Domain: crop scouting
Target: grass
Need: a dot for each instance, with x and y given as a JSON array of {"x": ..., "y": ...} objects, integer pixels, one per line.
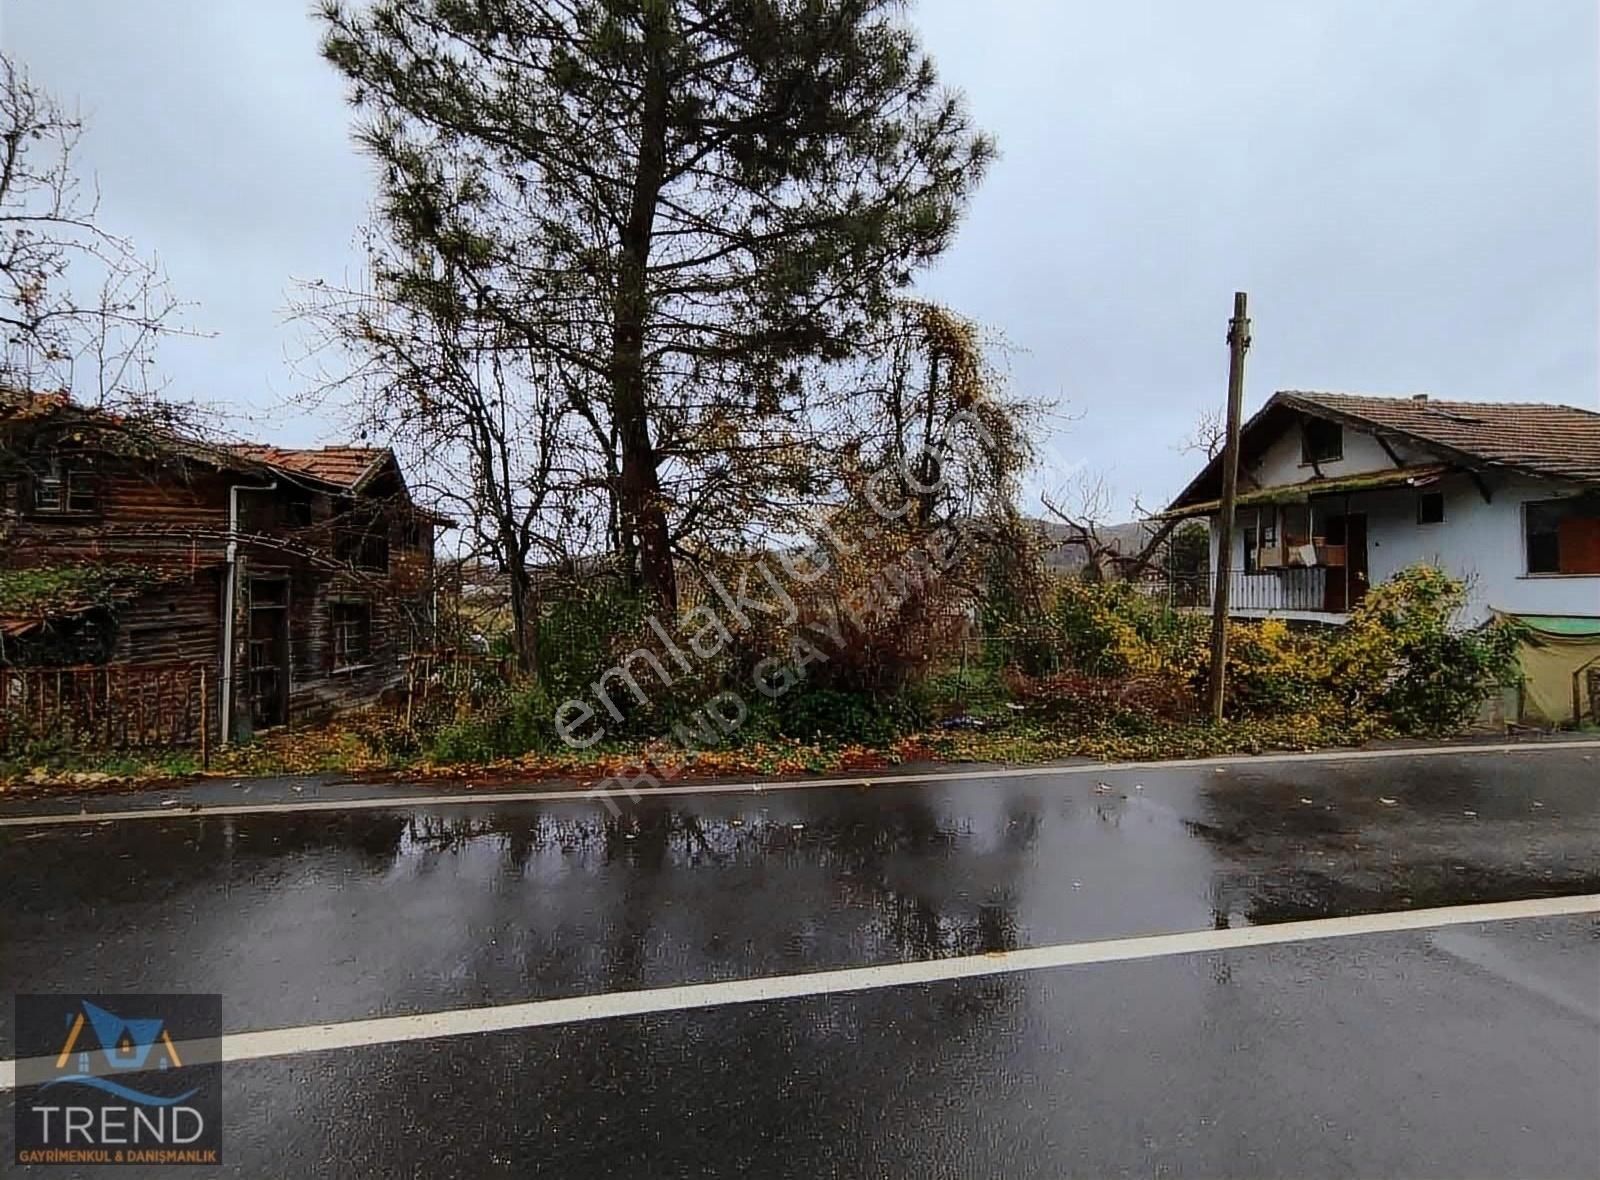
[{"x": 1009, "y": 737}]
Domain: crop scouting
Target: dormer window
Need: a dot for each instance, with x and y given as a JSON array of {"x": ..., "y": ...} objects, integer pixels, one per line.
[{"x": 1321, "y": 441}]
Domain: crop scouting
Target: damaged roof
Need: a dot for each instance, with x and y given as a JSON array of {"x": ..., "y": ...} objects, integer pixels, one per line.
[
  {"x": 1415, "y": 476},
  {"x": 1543, "y": 440},
  {"x": 1559, "y": 442},
  {"x": 343, "y": 468},
  {"x": 347, "y": 468}
]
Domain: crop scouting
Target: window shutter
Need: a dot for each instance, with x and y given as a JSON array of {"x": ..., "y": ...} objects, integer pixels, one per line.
[{"x": 1578, "y": 541}]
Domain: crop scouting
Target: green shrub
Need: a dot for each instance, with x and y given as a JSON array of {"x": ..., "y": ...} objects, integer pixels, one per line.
[
  {"x": 809, "y": 713},
  {"x": 1402, "y": 663},
  {"x": 513, "y": 722},
  {"x": 1114, "y": 629},
  {"x": 1273, "y": 670},
  {"x": 1404, "y": 655},
  {"x": 583, "y": 633}
]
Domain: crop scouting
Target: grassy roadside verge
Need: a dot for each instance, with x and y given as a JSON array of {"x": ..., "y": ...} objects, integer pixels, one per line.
[{"x": 342, "y": 749}]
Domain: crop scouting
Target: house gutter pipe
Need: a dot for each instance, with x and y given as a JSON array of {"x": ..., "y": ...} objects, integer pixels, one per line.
[{"x": 225, "y": 705}]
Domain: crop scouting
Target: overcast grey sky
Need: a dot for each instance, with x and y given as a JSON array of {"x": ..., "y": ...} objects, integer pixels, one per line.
[{"x": 1406, "y": 188}]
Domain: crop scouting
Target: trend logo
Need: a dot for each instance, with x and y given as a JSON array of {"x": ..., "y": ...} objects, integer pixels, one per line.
[{"x": 124, "y": 1045}]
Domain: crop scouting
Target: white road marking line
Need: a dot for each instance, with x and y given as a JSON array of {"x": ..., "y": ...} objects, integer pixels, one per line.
[
  {"x": 388, "y": 1030},
  {"x": 462, "y": 798}
]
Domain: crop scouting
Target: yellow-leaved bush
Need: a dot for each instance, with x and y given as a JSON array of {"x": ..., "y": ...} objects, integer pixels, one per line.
[{"x": 1403, "y": 662}]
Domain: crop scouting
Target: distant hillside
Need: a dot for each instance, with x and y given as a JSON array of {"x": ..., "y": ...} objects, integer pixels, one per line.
[{"x": 1127, "y": 539}]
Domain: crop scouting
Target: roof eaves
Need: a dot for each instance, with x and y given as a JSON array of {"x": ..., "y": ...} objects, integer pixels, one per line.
[
  {"x": 1300, "y": 492},
  {"x": 1216, "y": 460}
]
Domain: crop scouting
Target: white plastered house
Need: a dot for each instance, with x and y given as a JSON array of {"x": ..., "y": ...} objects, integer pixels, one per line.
[{"x": 1337, "y": 492}]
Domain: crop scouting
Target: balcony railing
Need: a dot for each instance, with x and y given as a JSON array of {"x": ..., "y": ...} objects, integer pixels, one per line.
[{"x": 1302, "y": 590}]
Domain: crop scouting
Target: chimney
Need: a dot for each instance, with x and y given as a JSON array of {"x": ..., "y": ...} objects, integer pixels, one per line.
[{"x": 1419, "y": 397}]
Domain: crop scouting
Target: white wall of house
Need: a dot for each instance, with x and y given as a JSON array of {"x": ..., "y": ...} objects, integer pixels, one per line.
[
  {"x": 1481, "y": 542},
  {"x": 1280, "y": 462}
]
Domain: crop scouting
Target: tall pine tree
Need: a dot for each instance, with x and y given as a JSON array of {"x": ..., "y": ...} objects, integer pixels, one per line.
[{"x": 680, "y": 202}]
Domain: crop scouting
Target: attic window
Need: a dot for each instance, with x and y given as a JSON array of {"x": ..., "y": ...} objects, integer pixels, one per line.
[
  {"x": 1321, "y": 441},
  {"x": 361, "y": 539},
  {"x": 1430, "y": 508}
]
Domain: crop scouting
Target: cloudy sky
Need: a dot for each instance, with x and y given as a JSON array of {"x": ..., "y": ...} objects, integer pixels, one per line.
[{"x": 1406, "y": 188}]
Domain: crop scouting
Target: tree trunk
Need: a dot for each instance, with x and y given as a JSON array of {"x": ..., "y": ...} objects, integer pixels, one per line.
[
  {"x": 523, "y": 628},
  {"x": 643, "y": 512}
]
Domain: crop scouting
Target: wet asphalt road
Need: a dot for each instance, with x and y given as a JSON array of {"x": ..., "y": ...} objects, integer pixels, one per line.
[{"x": 1469, "y": 1050}]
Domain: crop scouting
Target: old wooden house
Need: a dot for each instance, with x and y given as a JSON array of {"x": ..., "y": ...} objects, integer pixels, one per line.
[{"x": 261, "y": 585}]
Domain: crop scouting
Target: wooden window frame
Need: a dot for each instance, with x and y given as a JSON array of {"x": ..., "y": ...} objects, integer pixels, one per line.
[
  {"x": 1581, "y": 507},
  {"x": 338, "y": 649},
  {"x": 72, "y": 476},
  {"x": 361, "y": 539}
]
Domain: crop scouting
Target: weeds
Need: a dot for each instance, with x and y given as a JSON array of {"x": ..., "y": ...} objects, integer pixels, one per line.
[{"x": 1109, "y": 674}]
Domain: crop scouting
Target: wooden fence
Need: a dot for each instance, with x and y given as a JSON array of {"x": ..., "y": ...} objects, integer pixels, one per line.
[{"x": 146, "y": 706}]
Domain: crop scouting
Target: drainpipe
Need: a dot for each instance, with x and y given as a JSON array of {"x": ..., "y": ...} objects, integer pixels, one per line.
[{"x": 225, "y": 737}]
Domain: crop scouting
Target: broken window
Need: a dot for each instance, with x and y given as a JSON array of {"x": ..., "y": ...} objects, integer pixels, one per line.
[
  {"x": 64, "y": 486},
  {"x": 410, "y": 532},
  {"x": 1296, "y": 524},
  {"x": 1321, "y": 441},
  {"x": 1562, "y": 536},
  {"x": 361, "y": 539},
  {"x": 297, "y": 512}
]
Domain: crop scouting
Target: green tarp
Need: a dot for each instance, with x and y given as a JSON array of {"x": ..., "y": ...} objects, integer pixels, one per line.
[{"x": 1562, "y": 624}]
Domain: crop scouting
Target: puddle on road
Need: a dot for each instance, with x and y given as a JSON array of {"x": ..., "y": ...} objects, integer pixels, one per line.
[{"x": 544, "y": 899}]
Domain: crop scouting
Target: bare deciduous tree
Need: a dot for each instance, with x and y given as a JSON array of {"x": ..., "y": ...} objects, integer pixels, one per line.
[
  {"x": 487, "y": 431},
  {"x": 1083, "y": 507},
  {"x": 1207, "y": 437},
  {"x": 80, "y": 308}
]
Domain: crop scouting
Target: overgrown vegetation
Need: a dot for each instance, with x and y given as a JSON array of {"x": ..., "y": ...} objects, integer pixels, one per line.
[
  {"x": 1092, "y": 669},
  {"x": 45, "y": 590},
  {"x": 637, "y": 309},
  {"x": 68, "y": 612}
]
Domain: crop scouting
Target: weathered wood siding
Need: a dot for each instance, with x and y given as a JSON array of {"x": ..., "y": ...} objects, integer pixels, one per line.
[
  {"x": 182, "y": 620},
  {"x": 171, "y": 515}
]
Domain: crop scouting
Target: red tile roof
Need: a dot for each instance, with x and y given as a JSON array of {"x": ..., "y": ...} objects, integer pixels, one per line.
[
  {"x": 343, "y": 467},
  {"x": 1546, "y": 441},
  {"x": 1557, "y": 442},
  {"x": 347, "y": 468}
]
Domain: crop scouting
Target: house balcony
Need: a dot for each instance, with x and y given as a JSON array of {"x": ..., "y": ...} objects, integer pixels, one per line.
[{"x": 1286, "y": 593}]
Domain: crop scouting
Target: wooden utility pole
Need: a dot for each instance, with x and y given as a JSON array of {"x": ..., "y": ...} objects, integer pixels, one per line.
[{"x": 1238, "y": 345}]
